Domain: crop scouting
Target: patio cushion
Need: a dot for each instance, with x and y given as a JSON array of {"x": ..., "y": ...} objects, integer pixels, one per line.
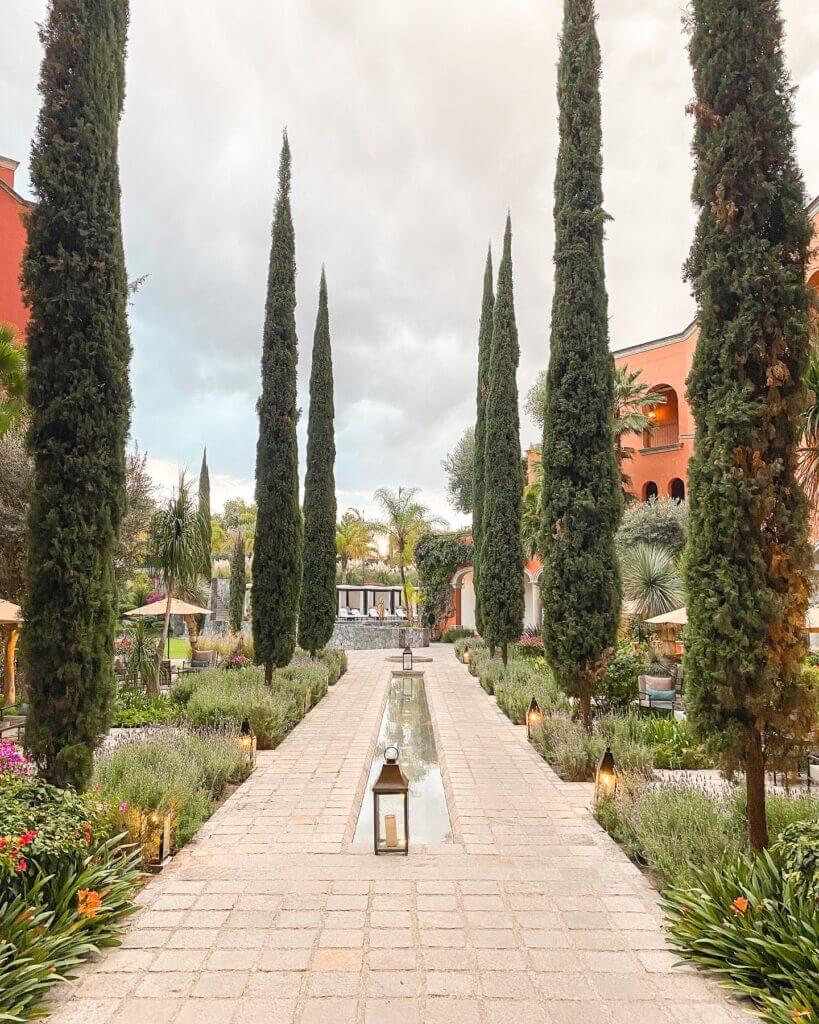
[
  {"x": 666, "y": 695},
  {"x": 659, "y": 683}
]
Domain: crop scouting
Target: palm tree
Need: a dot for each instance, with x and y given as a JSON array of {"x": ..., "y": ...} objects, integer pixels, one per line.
[
  {"x": 176, "y": 549},
  {"x": 530, "y": 519},
  {"x": 407, "y": 520},
  {"x": 633, "y": 401},
  {"x": 651, "y": 580},
  {"x": 809, "y": 450},
  {"x": 12, "y": 380},
  {"x": 354, "y": 539}
]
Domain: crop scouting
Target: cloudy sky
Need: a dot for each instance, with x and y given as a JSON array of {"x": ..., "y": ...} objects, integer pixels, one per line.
[{"x": 413, "y": 127}]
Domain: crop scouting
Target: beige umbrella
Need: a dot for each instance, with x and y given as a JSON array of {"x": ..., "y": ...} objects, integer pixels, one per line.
[
  {"x": 812, "y": 619},
  {"x": 157, "y": 609},
  {"x": 679, "y": 617},
  {"x": 11, "y": 619}
]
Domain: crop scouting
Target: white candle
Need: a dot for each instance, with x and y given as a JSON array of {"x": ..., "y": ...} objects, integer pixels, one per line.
[{"x": 392, "y": 830}]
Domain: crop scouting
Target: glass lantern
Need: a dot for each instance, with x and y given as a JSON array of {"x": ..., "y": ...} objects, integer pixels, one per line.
[
  {"x": 605, "y": 780},
  {"x": 247, "y": 743},
  {"x": 406, "y": 659},
  {"x": 157, "y": 839},
  {"x": 534, "y": 716},
  {"x": 391, "y": 807}
]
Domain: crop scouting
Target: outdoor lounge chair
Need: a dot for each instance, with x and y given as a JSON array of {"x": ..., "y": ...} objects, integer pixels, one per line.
[
  {"x": 355, "y": 614},
  {"x": 204, "y": 659},
  {"x": 657, "y": 693},
  {"x": 400, "y": 613},
  {"x": 344, "y": 613},
  {"x": 373, "y": 613}
]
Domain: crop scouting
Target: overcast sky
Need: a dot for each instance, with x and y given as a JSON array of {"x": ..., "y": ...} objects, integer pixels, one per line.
[{"x": 413, "y": 127}]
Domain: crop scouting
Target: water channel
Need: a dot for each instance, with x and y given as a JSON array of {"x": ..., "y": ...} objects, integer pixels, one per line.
[{"x": 407, "y": 725}]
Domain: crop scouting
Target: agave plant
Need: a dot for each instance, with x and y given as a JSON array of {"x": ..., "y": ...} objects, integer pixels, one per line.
[{"x": 651, "y": 580}]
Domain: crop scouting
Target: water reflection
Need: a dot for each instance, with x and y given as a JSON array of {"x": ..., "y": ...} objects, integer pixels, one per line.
[{"x": 407, "y": 725}]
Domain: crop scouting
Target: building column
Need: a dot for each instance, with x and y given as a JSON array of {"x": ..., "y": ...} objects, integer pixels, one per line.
[
  {"x": 457, "y": 603},
  {"x": 9, "y": 688}
]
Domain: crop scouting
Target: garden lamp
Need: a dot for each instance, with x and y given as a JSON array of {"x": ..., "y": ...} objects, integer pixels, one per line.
[
  {"x": 391, "y": 807},
  {"x": 534, "y": 717},
  {"x": 406, "y": 659},
  {"x": 605, "y": 780},
  {"x": 247, "y": 743}
]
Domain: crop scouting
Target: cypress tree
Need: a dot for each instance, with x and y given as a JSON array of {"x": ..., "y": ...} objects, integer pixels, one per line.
[
  {"x": 318, "y": 595},
  {"x": 238, "y": 585},
  {"x": 479, "y": 482},
  {"x": 277, "y": 552},
  {"x": 747, "y": 559},
  {"x": 79, "y": 353},
  {"x": 581, "y": 497},
  {"x": 204, "y": 512},
  {"x": 501, "y": 558}
]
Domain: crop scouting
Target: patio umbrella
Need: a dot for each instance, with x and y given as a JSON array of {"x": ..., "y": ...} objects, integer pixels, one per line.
[
  {"x": 11, "y": 619},
  {"x": 812, "y": 619},
  {"x": 679, "y": 617},
  {"x": 157, "y": 610}
]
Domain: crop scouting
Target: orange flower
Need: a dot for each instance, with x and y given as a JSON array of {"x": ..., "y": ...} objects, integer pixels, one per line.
[
  {"x": 88, "y": 902},
  {"x": 740, "y": 906}
]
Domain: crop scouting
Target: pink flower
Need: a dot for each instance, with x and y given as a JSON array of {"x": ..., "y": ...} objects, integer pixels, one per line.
[{"x": 123, "y": 807}]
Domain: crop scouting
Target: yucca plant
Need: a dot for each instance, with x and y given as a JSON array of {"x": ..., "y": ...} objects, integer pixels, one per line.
[{"x": 651, "y": 580}]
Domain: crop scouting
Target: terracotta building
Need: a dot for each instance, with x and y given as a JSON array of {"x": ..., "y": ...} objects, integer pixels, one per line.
[
  {"x": 13, "y": 210},
  {"x": 659, "y": 466}
]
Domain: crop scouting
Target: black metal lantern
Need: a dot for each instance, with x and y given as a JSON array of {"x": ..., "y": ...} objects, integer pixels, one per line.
[
  {"x": 534, "y": 716},
  {"x": 391, "y": 807},
  {"x": 605, "y": 780},
  {"x": 247, "y": 743},
  {"x": 157, "y": 839},
  {"x": 406, "y": 659}
]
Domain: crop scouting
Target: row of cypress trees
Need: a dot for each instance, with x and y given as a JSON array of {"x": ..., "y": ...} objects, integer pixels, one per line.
[{"x": 293, "y": 559}]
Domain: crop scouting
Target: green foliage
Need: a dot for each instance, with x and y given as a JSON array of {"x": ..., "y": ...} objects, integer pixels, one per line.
[
  {"x": 619, "y": 686},
  {"x": 747, "y": 556},
  {"x": 437, "y": 556},
  {"x": 317, "y": 615},
  {"x": 500, "y": 578},
  {"x": 456, "y": 633},
  {"x": 175, "y": 773},
  {"x": 659, "y": 522},
  {"x": 204, "y": 516},
  {"x": 459, "y": 466},
  {"x": 277, "y": 554},
  {"x": 651, "y": 580},
  {"x": 743, "y": 919},
  {"x": 78, "y": 356},
  {"x": 581, "y": 497},
  {"x": 575, "y": 754},
  {"x": 238, "y": 585},
  {"x": 12, "y": 380},
  {"x": 139, "y": 652},
  {"x": 479, "y": 463},
  {"x": 797, "y": 849},
  {"x": 133, "y": 707}
]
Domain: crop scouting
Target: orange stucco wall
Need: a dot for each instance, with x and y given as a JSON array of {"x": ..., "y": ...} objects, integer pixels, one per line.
[{"x": 12, "y": 245}]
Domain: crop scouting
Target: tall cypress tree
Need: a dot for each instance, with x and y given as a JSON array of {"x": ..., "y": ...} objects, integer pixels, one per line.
[
  {"x": 501, "y": 563},
  {"x": 204, "y": 512},
  {"x": 747, "y": 558},
  {"x": 277, "y": 553},
  {"x": 79, "y": 353},
  {"x": 318, "y": 595},
  {"x": 479, "y": 478},
  {"x": 581, "y": 497},
  {"x": 238, "y": 585}
]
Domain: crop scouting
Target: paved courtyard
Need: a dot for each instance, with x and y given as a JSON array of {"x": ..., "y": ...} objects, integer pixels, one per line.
[{"x": 271, "y": 916}]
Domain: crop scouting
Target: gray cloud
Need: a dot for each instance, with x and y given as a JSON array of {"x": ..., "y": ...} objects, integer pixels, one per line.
[{"x": 413, "y": 128}]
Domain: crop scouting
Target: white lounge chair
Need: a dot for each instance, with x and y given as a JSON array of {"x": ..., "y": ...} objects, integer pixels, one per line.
[
  {"x": 400, "y": 613},
  {"x": 344, "y": 613},
  {"x": 355, "y": 614},
  {"x": 373, "y": 613}
]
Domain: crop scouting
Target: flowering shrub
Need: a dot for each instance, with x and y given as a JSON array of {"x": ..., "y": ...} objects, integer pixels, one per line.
[
  {"x": 13, "y": 760},
  {"x": 236, "y": 661},
  {"x": 529, "y": 645}
]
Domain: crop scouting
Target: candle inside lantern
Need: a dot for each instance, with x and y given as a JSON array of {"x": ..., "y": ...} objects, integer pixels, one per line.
[{"x": 392, "y": 830}]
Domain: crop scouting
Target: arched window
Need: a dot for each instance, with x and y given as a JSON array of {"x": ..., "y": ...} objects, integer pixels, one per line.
[
  {"x": 650, "y": 490},
  {"x": 665, "y": 420},
  {"x": 676, "y": 489}
]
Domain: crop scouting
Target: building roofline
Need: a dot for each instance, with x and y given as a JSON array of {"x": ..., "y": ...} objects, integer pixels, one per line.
[
  {"x": 647, "y": 346},
  {"x": 16, "y": 195},
  {"x": 813, "y": 207}
]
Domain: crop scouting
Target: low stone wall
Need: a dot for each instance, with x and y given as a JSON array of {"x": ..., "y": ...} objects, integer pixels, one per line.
[{"x": 367, "y": 636}]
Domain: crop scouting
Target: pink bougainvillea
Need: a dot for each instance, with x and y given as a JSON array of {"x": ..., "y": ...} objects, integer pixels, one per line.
[{"x": 13, "y": 760}]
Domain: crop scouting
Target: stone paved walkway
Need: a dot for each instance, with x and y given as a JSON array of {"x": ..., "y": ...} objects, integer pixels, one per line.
[{"x": 270, "y": 916}]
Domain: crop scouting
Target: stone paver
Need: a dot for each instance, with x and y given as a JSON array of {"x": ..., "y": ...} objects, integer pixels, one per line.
[{"x": 271, "y": 915}]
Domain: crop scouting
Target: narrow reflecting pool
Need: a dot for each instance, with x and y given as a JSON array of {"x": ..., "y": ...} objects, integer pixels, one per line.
[{"x": 407, "y": 725}]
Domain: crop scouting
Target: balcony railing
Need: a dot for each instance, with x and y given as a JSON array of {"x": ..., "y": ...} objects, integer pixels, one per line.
[{"x": 662, "y": 435}]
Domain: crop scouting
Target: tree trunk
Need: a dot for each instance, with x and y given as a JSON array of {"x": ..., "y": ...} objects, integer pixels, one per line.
[
  {"x": 268, "y": 673},
  {"x": 193, "y": 633},
  {"x": 343, "y": 570},
  {"x": 755, "y": 790},
  {"x": 491, "y": 650},
  {"x": 152, "y": 685},
  {"x": 9, "y": 688},
  {"x": 505, "y": 653},
  {"x": 404, "y": 589},
  {"x": 585, "y": 708}
]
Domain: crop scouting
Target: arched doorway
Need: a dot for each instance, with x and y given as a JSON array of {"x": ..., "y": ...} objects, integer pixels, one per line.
[
  {"x": 464, "y": 597},
  {"x": 650, "y": 490},
  {"x": 676, "y": 489},
  {"x": 665, "y": 420}
]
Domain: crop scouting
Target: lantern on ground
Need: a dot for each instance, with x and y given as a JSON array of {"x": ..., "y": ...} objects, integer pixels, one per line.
[
  {"x": 391, "y": 807},
  {"x": 605, "y": 780},
  {"x": 406, "y": 659},
  {"x": 247, "y": 743},
  {"x": 534, "y": 717},
  {"x": 157, "y": 839},
  {"x": 406, "y": 687}
]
